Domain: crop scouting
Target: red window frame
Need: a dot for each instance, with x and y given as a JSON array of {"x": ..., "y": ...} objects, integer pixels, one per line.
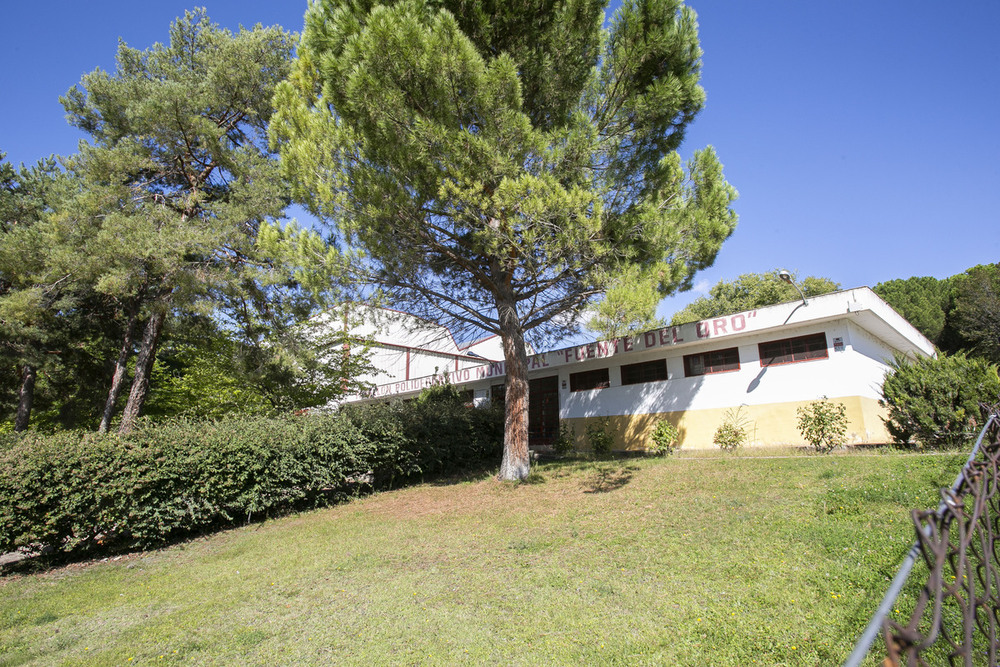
[
  {"x": 793, "y": 350},
  {"x": 726, "y": 360}
]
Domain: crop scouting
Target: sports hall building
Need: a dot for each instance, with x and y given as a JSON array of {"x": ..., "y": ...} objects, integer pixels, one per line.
[{"x": 766, "y": 363}]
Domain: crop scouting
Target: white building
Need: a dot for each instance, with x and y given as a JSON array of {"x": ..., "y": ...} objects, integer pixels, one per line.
[
  {"x": 767, "y": 363},
  {"x": 403, "y": 347}
]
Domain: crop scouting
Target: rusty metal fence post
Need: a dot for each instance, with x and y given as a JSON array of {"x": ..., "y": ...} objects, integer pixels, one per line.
[{"x": 957, "y": 615}]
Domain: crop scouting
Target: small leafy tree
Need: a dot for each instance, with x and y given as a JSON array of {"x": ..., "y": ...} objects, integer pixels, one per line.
[
  {"x": 600, "y": 438},
  {"x": 663, "y": 439},
  {"x": 823, "y": 424},
  {"x": 934, "y": 403},
  {"x": 732, "y": 432},
  {"x": 565, "y": 443}
]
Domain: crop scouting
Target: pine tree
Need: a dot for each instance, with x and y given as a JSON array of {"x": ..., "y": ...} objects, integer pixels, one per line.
[
  {"x": 497, "y": 163},
  {"x": 974, "y": 316},
  {"x": 922, "y": 300},
  {"x": 28, "y": 306},
  {"x": 178, "y": 175}
]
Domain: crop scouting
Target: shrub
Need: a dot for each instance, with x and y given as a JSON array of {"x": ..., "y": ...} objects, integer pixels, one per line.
[
  {"x": 823, "y": 424},
  {"x": 663, "y": 439},
  {"x": 86, "y": 493},
  {"x": 732, "y": 433},
  {"x": 565, "y": 442},
  {"x": 599, "y": 437},
  {"x": 935, "y": 403}
]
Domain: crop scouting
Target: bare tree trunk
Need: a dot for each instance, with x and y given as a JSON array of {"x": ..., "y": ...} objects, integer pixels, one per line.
[
  {"x": 143, "y": 368},
  {"x": 118, "y": 380},
  {"x": 516, "y": 463},
  {"x": 26, "y": 399}
]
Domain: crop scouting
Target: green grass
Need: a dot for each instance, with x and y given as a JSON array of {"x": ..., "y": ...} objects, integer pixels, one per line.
[{"x": 680, "y": 561}]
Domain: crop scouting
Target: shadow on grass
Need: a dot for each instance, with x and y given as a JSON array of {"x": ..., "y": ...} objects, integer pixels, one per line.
[{"x": 608, "y": 478}]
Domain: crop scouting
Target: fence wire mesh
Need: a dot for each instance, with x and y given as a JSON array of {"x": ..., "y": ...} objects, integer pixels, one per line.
[{"x": 956, "y": 617}]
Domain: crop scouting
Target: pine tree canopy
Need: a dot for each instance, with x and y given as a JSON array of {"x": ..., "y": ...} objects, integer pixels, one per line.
[
  {"x": 499, "y": 163},
  {"x": 476, "y": 150}
]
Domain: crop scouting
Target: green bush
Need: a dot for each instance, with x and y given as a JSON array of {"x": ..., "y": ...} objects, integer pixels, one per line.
[
  {"x": 663, "y": 439},
  {"x": 732, "y": 432},
  {"x": 599, "y": 437},
  {"x": 565, "y": 443},
  {"x": 935, "y": 403},
  {"x": 88, "y": 493},
  {"x": 823, "y": 424}
]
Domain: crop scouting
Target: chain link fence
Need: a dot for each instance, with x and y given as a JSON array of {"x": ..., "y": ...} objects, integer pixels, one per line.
[{"x": 956, "y": 617}]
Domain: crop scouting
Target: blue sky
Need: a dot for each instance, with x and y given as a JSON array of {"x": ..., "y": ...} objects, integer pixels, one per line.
[{"x": 862, "y": 136}]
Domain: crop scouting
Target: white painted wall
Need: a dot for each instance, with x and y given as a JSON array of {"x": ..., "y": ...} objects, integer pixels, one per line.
[
  {"x": 870, "y": 329},
  {"x": 488, "y": 348},
  {"x": 847, "y": 372}
]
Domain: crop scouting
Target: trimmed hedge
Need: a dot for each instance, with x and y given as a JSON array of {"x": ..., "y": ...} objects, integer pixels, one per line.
[{"x": 84, "y": 493}]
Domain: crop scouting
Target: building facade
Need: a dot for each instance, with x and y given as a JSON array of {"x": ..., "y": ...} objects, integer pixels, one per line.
[
  {"x": 764, "y": 363},
  {"x": 402, "y": 347}
]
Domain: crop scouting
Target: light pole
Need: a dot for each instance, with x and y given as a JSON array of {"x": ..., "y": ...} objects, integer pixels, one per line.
[{"x": 787, "y": 277}]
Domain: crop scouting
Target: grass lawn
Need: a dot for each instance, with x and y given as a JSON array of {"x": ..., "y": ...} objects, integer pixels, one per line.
[{"x": 688, "y": 560}]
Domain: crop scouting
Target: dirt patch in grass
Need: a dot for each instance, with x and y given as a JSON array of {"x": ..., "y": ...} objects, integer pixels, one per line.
[{"x": 552, "y": 488}]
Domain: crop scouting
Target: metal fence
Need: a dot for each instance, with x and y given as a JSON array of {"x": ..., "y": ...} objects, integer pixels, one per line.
[{"x": 956, "y": 618}]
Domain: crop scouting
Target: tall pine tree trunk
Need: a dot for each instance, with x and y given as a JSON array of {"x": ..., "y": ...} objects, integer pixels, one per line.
[
  {"x": 26, "y": 399},
  {"x": 118, "y": 380},
  {"x": 143, "y": 368},
  {"x": 516, "y": 463}
]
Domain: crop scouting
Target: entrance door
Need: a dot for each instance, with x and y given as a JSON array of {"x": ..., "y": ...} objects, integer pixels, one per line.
[{"x": 543, "y": 411}]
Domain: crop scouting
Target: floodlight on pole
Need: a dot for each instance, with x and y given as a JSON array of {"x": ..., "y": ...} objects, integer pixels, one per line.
[{"x": 787, "y": 277}]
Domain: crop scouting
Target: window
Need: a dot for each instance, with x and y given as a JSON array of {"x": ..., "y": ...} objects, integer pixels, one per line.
[
  {"x": 595, "y": 379},
  {"x": 716, "y": 361},
  {"x": 791, "y": 350},
  {"x": 649, "y": 371}
]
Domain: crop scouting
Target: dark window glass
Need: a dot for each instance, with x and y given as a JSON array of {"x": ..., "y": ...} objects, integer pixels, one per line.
[
  {"x": 595, "y": 379},
  {"x": 498, "y": 394},
  {"x": 790, "y": 350},
  {"x": 716, "y": 361},
  {"x": 648, "y": 371}
]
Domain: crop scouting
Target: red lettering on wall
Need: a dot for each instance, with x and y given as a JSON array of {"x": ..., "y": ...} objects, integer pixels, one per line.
[
  {"x": 719, "y": 326},
  {"x": 677, "y": 338},
  {"x": 649, "y": 338},
  {"x": 628, "y": 343},
  {"x": 604, "y": 347},
  {"x": 739, "y": 322},
  {"x": 664, "y": 336},
  {"x": 591, "y": 351},
  {"x": 702, "y": 329}
]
